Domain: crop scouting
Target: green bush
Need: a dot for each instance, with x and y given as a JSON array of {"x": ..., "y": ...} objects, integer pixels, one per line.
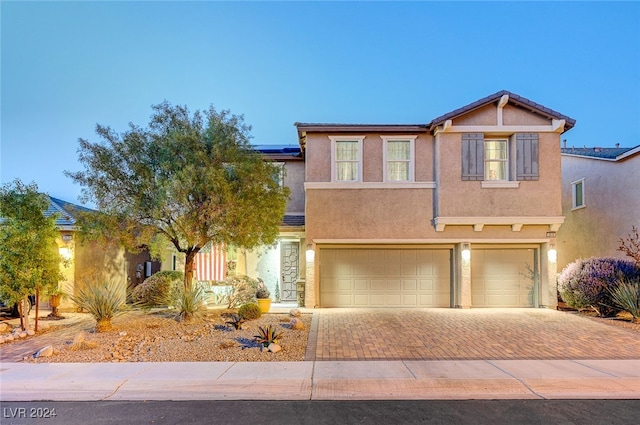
[
  {"x": 626, "y": 294},
  {"x": 103, "y": 300},
  {"x": 587, "y": 283},
  {"x": 250, "y": 311},
  {"x": 161, "y": 289},
  {"x": 191, "y": 304}
]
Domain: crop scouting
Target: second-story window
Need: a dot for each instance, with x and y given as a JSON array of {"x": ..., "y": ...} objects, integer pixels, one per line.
[
  {"x": 398, "y": 158},
  {"x": 496, "y": 160},
  {"x": 347, "y": 159}
]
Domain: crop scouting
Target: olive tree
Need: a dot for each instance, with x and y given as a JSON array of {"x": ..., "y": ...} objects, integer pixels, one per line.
[
  {"x": 189, "y": 179},
  {"x": 29, "y": 258}
]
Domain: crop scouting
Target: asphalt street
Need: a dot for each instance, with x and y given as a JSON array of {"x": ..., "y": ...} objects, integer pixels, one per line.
[{"x": 525, "y": 412}]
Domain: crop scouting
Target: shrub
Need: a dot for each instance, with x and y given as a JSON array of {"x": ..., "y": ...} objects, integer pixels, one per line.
[
  {"x": 267, "y": 335},
  {"x": 191, "y": 304},
  {"x": 586, "y": 283},
  {"x": 250, "y": 311},
  {"x": 243, "y": 290},
  {"x": 103, "y": 300},
  {"x": 161, "y": 289},
  {"x": 626, "y": 295},
  {"x": 236, "y": 320}
]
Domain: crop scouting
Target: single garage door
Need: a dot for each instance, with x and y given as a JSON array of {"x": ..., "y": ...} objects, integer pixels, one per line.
[
  {"x": 385, "y": 277},
  {"x": 503, "y": 278}
]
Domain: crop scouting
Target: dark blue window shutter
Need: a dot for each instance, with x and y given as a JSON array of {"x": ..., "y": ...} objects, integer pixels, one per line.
[
  {"x": 473, "y": 156},
  {"x": 527, "y": 156}
]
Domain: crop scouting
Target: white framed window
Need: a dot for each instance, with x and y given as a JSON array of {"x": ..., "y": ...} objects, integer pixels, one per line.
[
  {"x": 496, "y": 160},
  {"x": 577, "y": 194},
  {"x": 398, "y": 157},
  {"x": 278, "y": 176},
  {"x": 346, "y": 158}
]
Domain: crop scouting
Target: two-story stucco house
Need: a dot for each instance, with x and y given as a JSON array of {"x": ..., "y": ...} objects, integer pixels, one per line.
[
  {"x": 601, "y": 201},
  {"x": 459, "y": 212}
]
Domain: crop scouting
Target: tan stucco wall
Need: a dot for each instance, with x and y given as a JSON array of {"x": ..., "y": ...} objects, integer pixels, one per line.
[
  {"x": 612, "y": 199},
  {"x": 318, "y": 157},
  {"x": 294, "y": 180},
  {"x": 486, "y": 115},
  {"x": 512, "y": 115},
  {"x": 369, "y": 213},
  {"x": 458, "y": 198}
]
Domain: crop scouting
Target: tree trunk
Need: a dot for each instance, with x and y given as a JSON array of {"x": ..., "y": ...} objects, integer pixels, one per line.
[
  {"x": 37, "y": 305},
  {"x": 190, "y": 262},
  {"x": 24, "y": 312}
]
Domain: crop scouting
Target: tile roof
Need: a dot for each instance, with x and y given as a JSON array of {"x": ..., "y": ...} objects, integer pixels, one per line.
[
  {"x": 613, "y": 154},
  {"x": 65, "y": 211},
  {"x": 513, "y": 99}
]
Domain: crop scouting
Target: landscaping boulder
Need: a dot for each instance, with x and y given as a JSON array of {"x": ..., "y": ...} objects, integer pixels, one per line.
[
  {"x": 274, "y": 348},
  {"x": 294, "y": 312},
  {"x": 296, "y": 324}
]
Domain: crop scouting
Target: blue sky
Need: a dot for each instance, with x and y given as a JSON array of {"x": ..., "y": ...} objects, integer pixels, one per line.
[{"x": 66, "y": 66}]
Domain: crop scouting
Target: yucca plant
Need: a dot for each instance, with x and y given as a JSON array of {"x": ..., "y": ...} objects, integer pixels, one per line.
[
  {"x": 236, "y": 320},
  {"x": 267, "y": 335},
  {"x": 191, "y": 304},
  {"x": 626, "y": 294},
  {"x": 103, "y": 300}
]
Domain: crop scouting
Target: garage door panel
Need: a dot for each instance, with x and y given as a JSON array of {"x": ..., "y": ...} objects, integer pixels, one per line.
[
  {"x": 499, "y": 278},
  {"x": 385, "y": 278},
  {"x": 361, "y": 285},
  {"x": 409, "y": 285}
]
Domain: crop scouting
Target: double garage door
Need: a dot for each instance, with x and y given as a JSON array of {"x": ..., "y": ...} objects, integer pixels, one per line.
[
  {"x": 369, "y": 277},
  {"x": 385, "y": 278}
]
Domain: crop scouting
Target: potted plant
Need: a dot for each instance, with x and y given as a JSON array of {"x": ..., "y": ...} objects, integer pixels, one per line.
[
  {"x": 55, "y": 296},
  {"x": 262, "y": 296}
]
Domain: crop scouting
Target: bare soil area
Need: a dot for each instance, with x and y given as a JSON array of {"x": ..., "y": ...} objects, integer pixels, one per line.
[{"x": 159, "y": 337}]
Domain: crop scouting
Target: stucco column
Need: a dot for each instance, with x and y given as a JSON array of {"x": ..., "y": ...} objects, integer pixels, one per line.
[
  {"x": 310, "y": 277},
  {"x": 548, "y": 275},
  {"x": 463, "y": 252}
]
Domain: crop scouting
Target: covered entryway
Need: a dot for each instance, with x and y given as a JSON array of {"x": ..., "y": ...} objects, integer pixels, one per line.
[
  {"x": 504, "y": 278},
  {"x": 372, "y": 277}
]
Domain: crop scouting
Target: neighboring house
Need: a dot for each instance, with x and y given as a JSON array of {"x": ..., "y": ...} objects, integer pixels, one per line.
[
  {"x": 90, "y": 260},
  {"x": 459, "y": 212},
  {"x": 601, "y": 201}
]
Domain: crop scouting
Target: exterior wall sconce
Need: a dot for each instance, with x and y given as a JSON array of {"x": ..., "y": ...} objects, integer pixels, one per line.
[
  {"x": 65, "y": 252},
  {"x": 552, "y": 253},
  {"x": 466, "y": 251},
  {"x": 310, "y": 253},
  {"x": 67, "y": 238}
]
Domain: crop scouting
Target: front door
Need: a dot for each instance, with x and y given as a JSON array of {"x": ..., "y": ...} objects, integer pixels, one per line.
[{"x": 289, "y": 265}]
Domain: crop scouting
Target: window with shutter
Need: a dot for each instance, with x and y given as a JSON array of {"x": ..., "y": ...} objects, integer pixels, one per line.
[
  {"x": 527, "y": 156},
  {"x": 473, "y": 156},
  {"x": 490, "y": 160}
]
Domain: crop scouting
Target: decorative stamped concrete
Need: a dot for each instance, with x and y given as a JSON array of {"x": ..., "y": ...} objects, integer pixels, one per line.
[{"x": 461, "y": 334}]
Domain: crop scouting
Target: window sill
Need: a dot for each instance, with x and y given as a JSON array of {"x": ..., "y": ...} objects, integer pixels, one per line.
[
  {"x": 370, "y": 185},
  {"x": 578, "y": 207},
  {"x": 500, "y": 184}
]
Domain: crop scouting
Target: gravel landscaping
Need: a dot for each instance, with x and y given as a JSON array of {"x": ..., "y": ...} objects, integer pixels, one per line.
[{"x": 159, "y": 337}]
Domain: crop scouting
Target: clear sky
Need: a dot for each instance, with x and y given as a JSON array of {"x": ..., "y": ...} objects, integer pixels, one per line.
[{"x": 66, "y": 66}]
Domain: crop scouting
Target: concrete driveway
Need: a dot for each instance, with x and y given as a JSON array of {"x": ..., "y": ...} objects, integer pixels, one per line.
[{"x": 457, "y": 334}]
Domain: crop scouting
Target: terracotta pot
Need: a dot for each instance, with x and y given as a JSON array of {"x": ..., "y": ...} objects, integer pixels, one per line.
[
  {"x": 264, "y": 304},
  {"x": 54, "y": 301}
]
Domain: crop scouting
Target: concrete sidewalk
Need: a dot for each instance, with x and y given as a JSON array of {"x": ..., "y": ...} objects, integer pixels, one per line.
[{"x": 322, "y": 380}]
